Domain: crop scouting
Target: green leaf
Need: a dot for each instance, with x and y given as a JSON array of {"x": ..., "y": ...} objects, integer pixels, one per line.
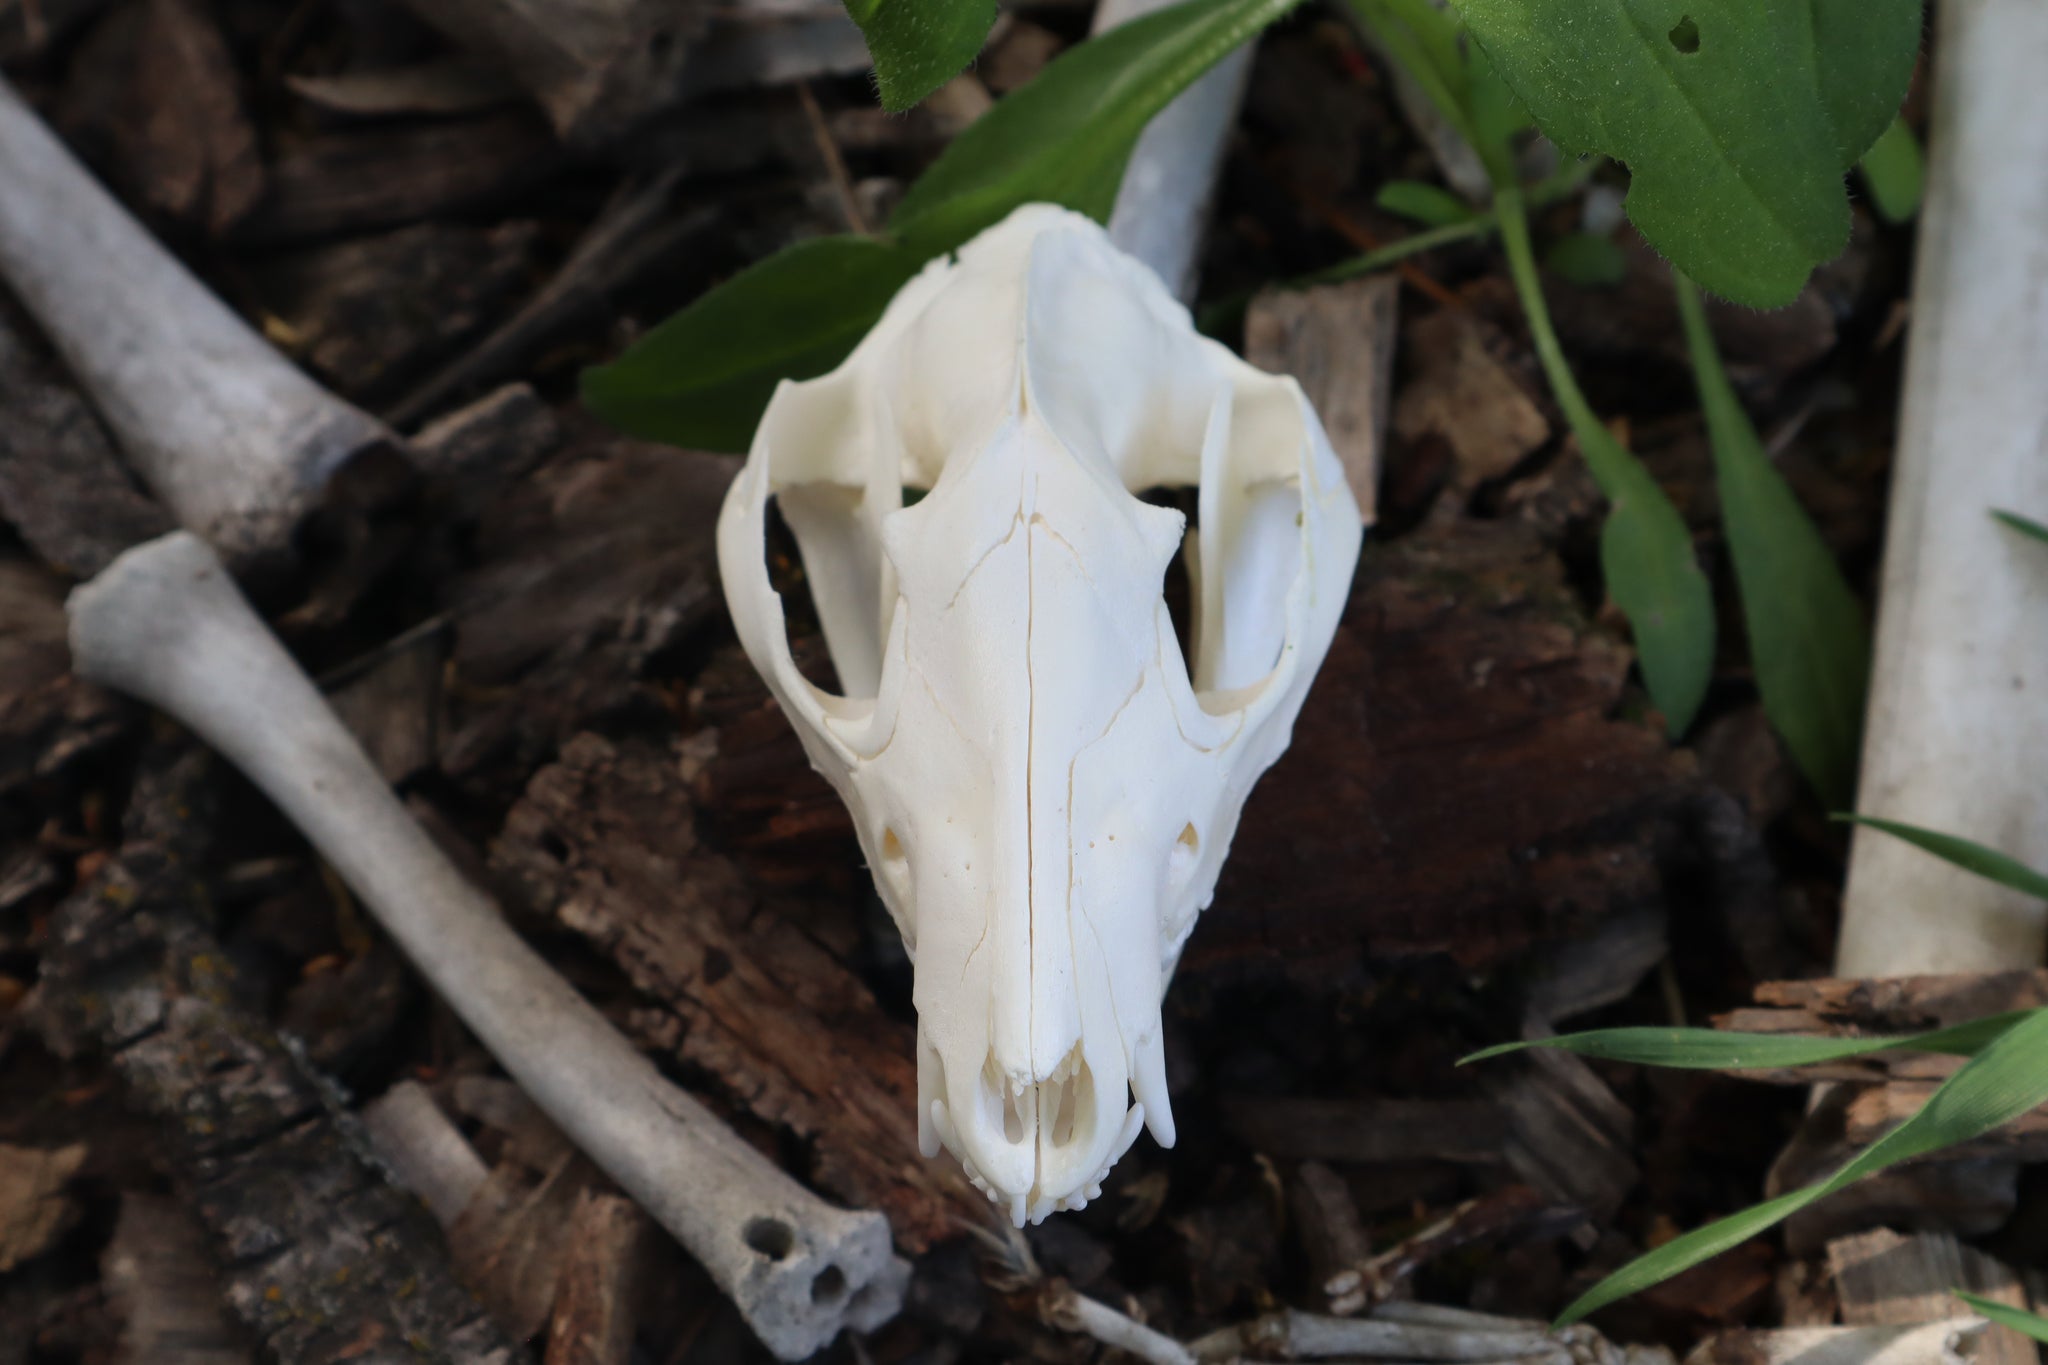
[
  {"x": 1647, "y": 562},
  {"x": 1064, "y": 138},
  {"x": 1706, "y": 1049},
  {"x": 1429, "y": 205},
  {"x": 1894, "y": 169},
  {"x": 1737, "y": 118},
  {"x": 1585, "y": 259},
  {"x": 1646, "y": 553},
  {"x": 1988, "y": 863},
  {"x": 2024, "y": 525},
  {"x": 702, "y": 377},
  {"x": 2003, "y": 1081},
  {"x": 1808, "y": 635},
  {"x": 2005, "y": 1315},
  {"x": 918, "y": 45}
]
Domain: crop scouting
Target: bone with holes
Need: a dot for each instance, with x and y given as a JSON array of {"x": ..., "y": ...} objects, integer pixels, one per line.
[
  {"x": 164, "y": 623},
  {"x": 237, "y": 443},
  {"x": 1044, "y": 786}
]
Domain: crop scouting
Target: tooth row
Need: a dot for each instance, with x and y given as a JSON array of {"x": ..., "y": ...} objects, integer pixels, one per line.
[{"x": 1022, "y": 1207}]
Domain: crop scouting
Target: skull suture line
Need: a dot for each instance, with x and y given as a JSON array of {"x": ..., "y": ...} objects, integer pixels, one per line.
[{"x": 1044, "y": 790}]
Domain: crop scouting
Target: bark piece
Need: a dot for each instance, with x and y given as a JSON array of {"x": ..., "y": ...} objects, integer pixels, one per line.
[
  {"x": 596, "y": 1296},
  {"x": 47, "y": 716},
  {"x": 1568, "y": 1134},
  {"x": 1338, "y": 340},
  {"x": 33, "y": 1208},
  {"x": 601, "y": 558},
  {"x": 325, "y": 1259},
  {"x": 1369, "y": 1130},
  {"x": 391, "y": 700},
  {"x": 507, "y": 1242},
  {"x": 1931, "y": 1343},
  {"x": 1462, "y": 391},
  {"x": 162, "y": 1284},
  {"x": 370, "y": 314},
  {"x": 340, "y": 184},
  {"x": 61, "y": 484},
  {"x": 605, "y": 841},
  {"x": 1884, "y": 1278},
  {"x": 155, "y": 93},
  {"x": 1326, "y": 1217}
]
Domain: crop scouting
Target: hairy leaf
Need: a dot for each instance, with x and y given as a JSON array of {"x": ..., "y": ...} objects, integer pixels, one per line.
[
  {"x": 1737, "y": 118},
  {"x": 1808, "y": 636},
  {"x": 1065, "y": 137},
  {"x": 2008, "y": 1077},
  {"x": 702, "y": 377},
  {"x": 918, "y": 45}
]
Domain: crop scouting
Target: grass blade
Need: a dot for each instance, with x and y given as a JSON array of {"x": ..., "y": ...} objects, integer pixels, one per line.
[
  {"x": 1970, "y": 856},
  {"x": 2026, "y": 526},
  {"x": 2003, "y": 1081},
  {"x": 1808, "y": 635},
  {"x": 1706, "y": 1049},
  {"x": 2005, "y": 1315}
]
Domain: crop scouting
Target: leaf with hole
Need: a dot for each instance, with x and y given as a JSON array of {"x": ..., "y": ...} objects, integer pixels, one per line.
[
  {"x": 1065, "y": 137},
  {"x": 1737, "y": 119},
  {"x": 1808, "y": 637},
  {"x": 918, "y": 45},
  {"x": 2005, "y": 1079},
  {"x": 702, "y": 377}
]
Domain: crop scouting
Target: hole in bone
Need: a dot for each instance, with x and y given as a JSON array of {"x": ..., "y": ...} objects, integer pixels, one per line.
[
  {"x": 1189, "y": 840},
  {"x": 787, "y": 576},
  {"x": 892, "y": 847},
  {"x": 829, "y": 1285},
  {"x": 1178, "y": 587},
  {"x": 771, "y": 1237},
  {"x": 1067, "y": 1103},
  {"x": 1002, "y": 1105}
]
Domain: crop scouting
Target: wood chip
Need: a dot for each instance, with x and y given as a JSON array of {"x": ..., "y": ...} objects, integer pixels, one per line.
[
  {"x": 1338, "y": 341},
  {"x": 596, "y": 1297},
  {"x": 162, "y": 1284},
  {"x": 1884, "y": 1278},
  {"x": 33, "y": 1206},
  {"x": 1459, "y": 389}
]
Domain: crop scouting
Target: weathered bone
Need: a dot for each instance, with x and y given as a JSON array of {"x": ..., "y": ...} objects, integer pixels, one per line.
[
  {"x": 236, "y": 442},
  {"x": 1043, "y": 786},
  {"x": 165, "y": 623}
]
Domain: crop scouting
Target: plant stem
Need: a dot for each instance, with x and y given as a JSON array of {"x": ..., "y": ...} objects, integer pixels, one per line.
[{"x": 1513, "y": 217}]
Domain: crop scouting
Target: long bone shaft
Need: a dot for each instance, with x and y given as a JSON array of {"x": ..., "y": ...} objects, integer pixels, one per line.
[
  {"x": 165, "y": 623},
  {"x": 236, "y": 441}
]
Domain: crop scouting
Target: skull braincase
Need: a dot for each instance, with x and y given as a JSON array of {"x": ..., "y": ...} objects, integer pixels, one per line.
[{"x": 1044, "y": 789}]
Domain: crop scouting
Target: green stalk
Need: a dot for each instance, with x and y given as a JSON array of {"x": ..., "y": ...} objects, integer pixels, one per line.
[{"x": 1513, "y": 218}]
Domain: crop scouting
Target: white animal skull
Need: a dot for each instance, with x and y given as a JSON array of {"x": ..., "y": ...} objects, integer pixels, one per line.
[{"x": 1044, "y": 789}]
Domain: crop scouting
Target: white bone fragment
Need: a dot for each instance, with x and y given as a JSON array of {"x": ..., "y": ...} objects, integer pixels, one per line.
[
  {"x": 424, "y": 1149},
  {"x": 236, "y": 442},
  {"x": 1171, "y": 177},
  {"x": 1043, "y": 786},
  {"x": 1955, "y": 729},
  {"x": 164, "y": 623}
]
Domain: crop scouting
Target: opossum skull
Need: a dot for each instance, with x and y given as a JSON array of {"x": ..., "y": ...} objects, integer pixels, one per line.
[{"x": 1043, "y": 787}]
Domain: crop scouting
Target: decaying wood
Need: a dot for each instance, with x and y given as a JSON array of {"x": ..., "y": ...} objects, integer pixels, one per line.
[
  {"x": 1463, "y": 392},
  {"x": 1338, "y": 341},
  {"x": 1471, "y": 1132},
  {"x": 1568, "y": 1134},
  {"x": 322, "y": 1255},
  {"x": 596, "y": 1298},
  {"x": 598, "y": 561},
  {"x": 390, "y": 699},
  {"x": 61, "y": 484},
  {"x": 360, "y": 180},
  {"x": 1885, "y": 1279},
  {"x": 605, "y": 841},
  {"x": 164, "y": 1288},
  {"x": 34, "y": 1208},
  {"x": 595, "y": 66},
  {"x": 1326, "y": 1219},
  {"x": 47, "y": 715}
]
